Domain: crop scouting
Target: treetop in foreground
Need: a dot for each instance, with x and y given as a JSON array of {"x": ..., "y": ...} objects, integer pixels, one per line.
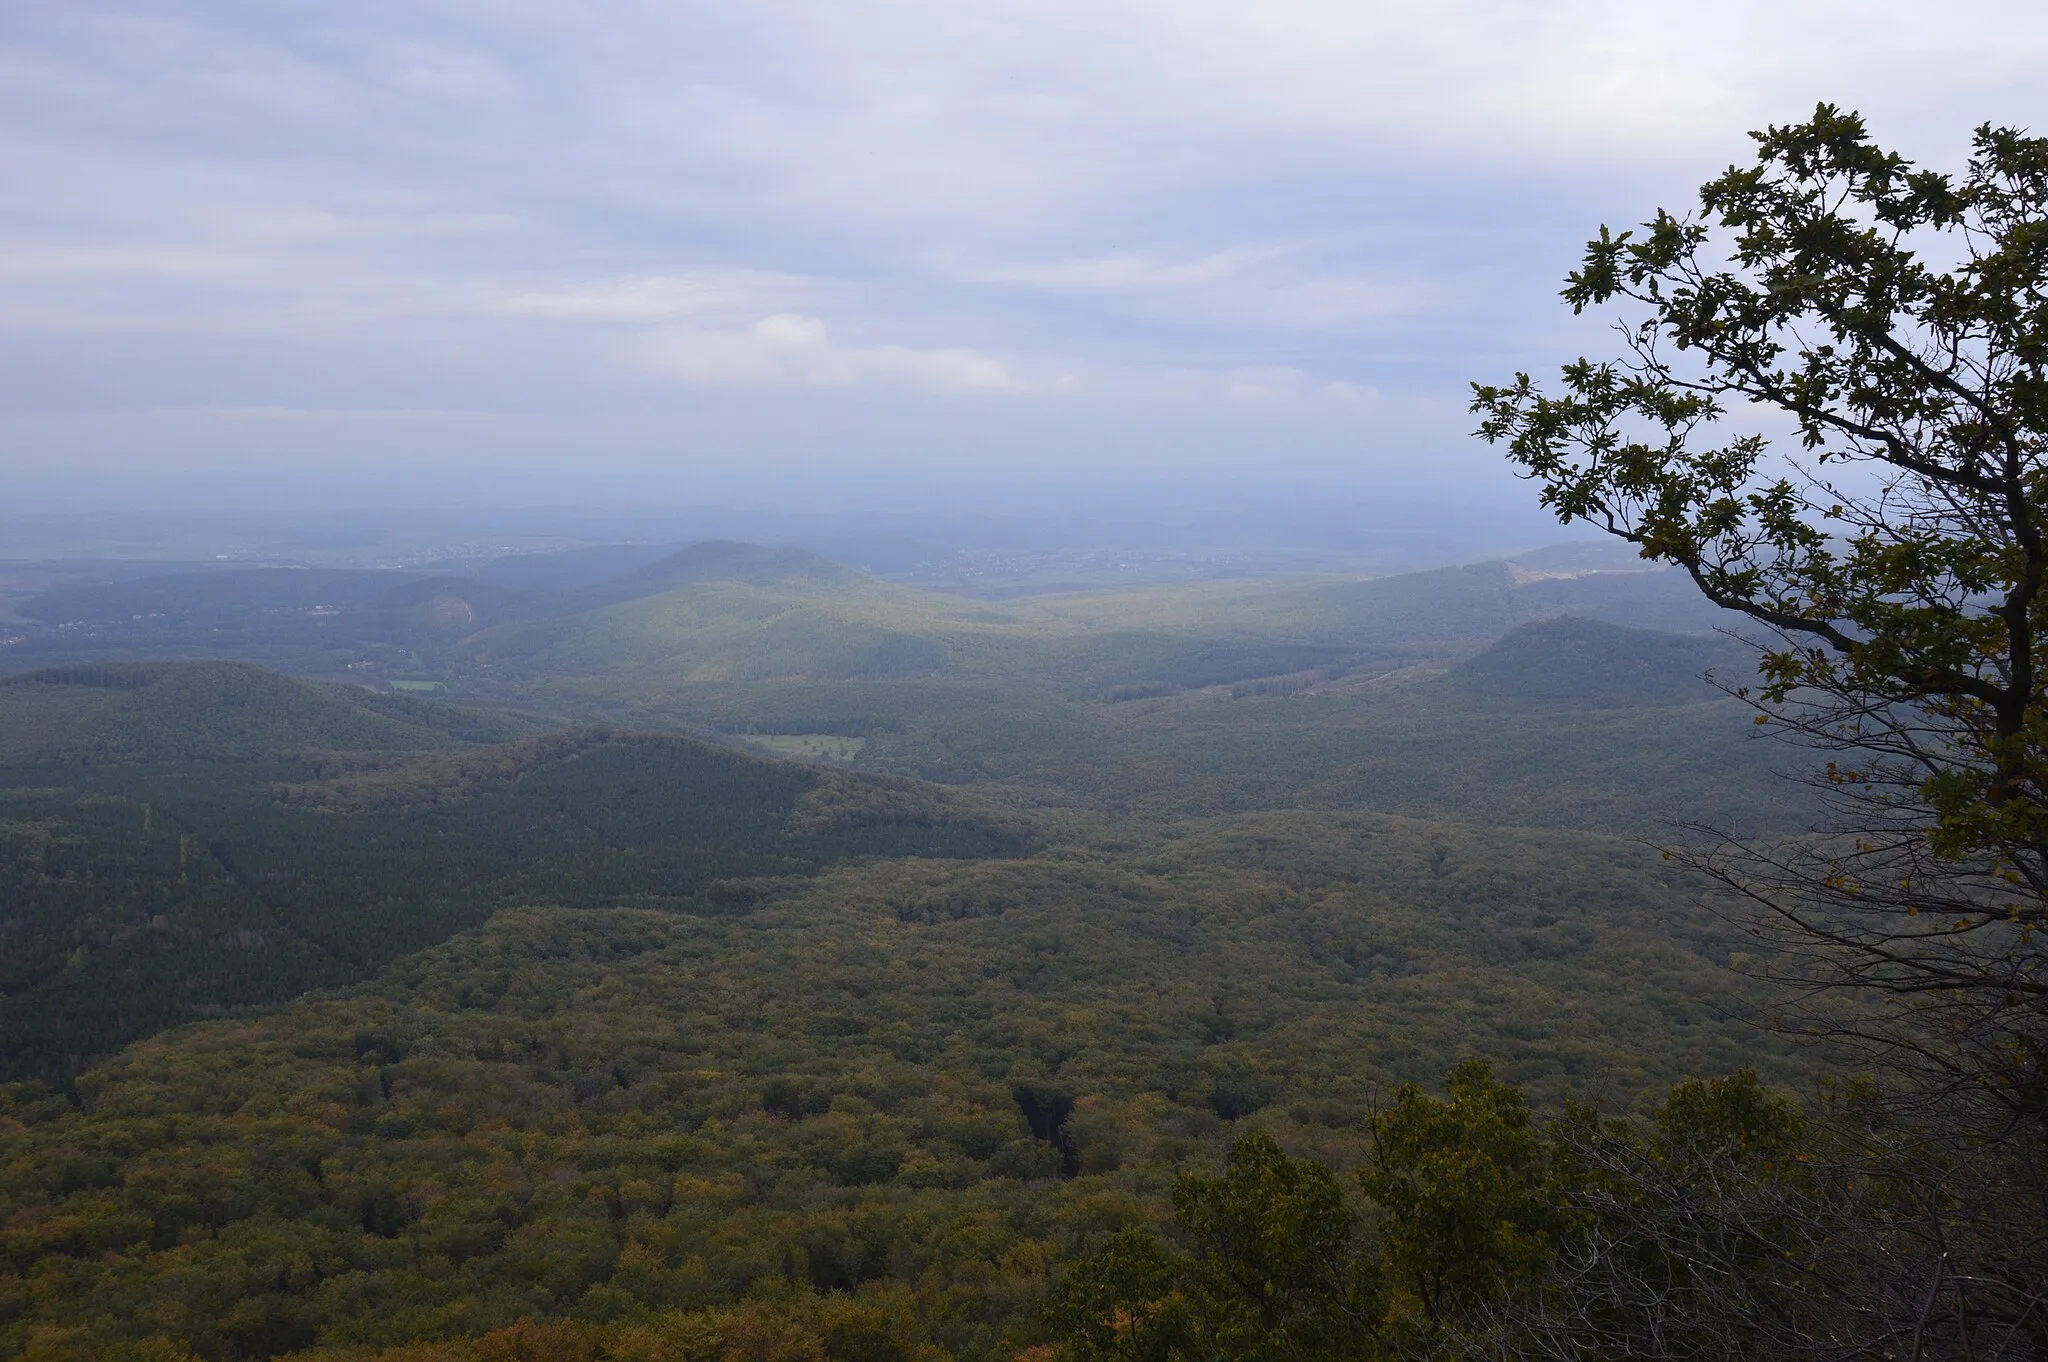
[
  {"x": 1898, "y": 317},
  {"x": 1893, "y": 562}
]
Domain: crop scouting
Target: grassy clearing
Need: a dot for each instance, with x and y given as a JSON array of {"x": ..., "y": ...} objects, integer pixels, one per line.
[{"x": 808, "y": 746}]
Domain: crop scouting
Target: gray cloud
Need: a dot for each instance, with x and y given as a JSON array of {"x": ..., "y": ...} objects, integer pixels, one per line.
[{"x": 255, "y": 250}]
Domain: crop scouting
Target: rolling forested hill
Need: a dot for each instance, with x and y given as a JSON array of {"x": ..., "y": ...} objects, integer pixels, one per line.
[
  {"x": 1573, "y": 662},
  {"x": 317, "y": 840},
  {"x": 727, "y": 611},
  {"x": 924, "y": 1083},
  {"x": 1575, "y": 724},
  {"x": 312, "y": 619},
  {"x": 97, "y": 713},
  {"x": 344, "y": 1021},
  {"x": 738, "y": 612}
]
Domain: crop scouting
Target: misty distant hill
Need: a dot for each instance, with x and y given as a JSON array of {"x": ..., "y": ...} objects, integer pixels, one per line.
[
  {"x": 1310, "y": 690},
  {"x": 727, "y": 611},
  {"x": 722, "y": 561},
  {"x": 226, "y": 610},
  {"x": 564, "y": 570},
  {"x": 723, "y": 609},
  {"x": 217, "y": 595},
  {"x": 1576, "y": 663},
  {"x": 1449, "y": 611},
  {"x": 98, "y": 713}
]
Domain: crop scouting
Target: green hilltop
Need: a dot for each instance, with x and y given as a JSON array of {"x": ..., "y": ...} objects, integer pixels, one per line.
[
  {"x": 743, "y": 613},
  {"x": 143, "y": 895}
]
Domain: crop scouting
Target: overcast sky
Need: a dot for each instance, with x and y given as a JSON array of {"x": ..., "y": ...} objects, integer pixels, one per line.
[{"x": 856, "y": 252}]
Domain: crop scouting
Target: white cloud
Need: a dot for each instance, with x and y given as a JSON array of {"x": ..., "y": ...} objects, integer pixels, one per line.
[
  {"x": 1283, "y": 383},
  {"x": 343, "y": 417},
  {"x": 793, "y": 350},
  {"x": 1268, "y": 286},
  {"x": 1121, "y": 273},
  {"x": 661, "y": 297},
  {"x": 450, "y": 75}
]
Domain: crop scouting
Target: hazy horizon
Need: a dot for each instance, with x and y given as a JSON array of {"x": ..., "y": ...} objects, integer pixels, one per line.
[{"x": 1189, "y": 538}]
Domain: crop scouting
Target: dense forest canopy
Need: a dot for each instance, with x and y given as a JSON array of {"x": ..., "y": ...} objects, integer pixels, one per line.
[{"x": 932, "y": 1041}]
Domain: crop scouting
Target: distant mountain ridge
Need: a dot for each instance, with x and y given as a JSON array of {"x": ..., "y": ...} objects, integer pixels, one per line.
[
  {"x": 719, "y": 560},
  {"x": 218, "y": 594},
  {"x": 563, "y": 570},
  {"x": 728, "y": 611},
  {"x": 723, "y": 610}
]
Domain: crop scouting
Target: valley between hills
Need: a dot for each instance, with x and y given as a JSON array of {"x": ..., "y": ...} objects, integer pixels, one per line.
[{"x": 614, "y": 940}]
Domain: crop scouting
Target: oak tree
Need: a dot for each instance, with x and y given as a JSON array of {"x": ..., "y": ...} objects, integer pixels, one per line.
[{"x": 1888, "y": 553}]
